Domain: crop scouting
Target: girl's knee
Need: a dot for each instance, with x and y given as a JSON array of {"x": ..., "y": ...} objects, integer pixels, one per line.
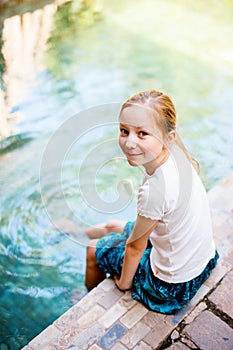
[
  {"x": 90, "y": 251},
  {"x": 90, "y": 255}
]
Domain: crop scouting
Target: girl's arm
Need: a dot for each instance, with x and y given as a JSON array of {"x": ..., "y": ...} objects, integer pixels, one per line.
[{"x": 135, "y": 246}]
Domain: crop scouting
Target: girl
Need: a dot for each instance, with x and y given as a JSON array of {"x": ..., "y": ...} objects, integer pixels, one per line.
[{"x": 168, "y": 252}]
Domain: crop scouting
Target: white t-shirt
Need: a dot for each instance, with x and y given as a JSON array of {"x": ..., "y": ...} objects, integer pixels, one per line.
[{"x": 182, "y": 239}]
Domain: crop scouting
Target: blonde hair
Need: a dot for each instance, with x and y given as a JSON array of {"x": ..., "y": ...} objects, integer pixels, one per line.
[{"x": 165, "y": 111}]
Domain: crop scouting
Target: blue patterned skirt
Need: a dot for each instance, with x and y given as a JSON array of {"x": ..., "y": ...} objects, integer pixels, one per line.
[{"x": 154, "y": 293}]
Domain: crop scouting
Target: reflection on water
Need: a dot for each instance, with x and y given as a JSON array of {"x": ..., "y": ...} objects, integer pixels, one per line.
[
  {"x": 23, "y": 40},
  {"x": 60, "y": 57}
]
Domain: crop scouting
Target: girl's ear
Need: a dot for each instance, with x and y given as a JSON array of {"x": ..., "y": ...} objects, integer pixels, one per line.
[{"x": 171, "y": 138}]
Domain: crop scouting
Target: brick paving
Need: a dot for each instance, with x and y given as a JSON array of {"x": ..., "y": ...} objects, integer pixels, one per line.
[
  {"x": 208, "y": 331},
  {"x": 107, "y": 319}
]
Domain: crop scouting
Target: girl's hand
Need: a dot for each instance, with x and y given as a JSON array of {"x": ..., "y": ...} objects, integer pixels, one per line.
[{"x": 122, "y": 287}]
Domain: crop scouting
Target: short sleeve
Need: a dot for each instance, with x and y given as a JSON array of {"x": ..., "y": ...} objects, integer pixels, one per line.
[{"x": 151, "y": 198}]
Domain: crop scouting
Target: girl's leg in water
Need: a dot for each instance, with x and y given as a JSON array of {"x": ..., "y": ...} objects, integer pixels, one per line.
[
  {"x": 102, "y": 230},
  {"x": 94, "y": 275}
]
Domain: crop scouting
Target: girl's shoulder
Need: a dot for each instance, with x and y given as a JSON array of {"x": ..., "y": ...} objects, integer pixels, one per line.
[{"x": 166, "y": 175}]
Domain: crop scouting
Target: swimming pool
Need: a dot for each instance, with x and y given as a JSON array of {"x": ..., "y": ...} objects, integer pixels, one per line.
[{"x": 60, "y": 59}]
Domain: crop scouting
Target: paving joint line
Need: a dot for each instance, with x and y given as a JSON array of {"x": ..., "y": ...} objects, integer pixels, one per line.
[{"x": 217, "y": 312}]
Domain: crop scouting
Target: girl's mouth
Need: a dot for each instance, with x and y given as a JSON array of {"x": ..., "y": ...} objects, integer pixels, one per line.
[{"x": 133, "y": 154}]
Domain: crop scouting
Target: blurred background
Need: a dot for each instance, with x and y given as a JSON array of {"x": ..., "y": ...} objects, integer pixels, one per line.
[{"x": 58, "y": 58}]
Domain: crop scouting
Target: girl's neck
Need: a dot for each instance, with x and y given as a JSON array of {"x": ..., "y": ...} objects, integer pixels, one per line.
[{"x": 152, "y": 166}]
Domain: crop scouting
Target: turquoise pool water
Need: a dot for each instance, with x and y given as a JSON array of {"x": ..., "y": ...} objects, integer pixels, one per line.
[{"x": 55, "y": 62}]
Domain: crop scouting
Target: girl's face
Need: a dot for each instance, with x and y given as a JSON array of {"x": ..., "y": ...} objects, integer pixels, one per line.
[{"x": 140, "y": 139}]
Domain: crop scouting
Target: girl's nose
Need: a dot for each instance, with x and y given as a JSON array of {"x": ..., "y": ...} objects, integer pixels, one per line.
[{"x": 130, "y": 144}]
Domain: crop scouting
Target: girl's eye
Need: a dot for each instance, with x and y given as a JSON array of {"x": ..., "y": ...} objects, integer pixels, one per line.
[
  {"x": 123, "y": 131},
  {"x": 142, "y": 133}
]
